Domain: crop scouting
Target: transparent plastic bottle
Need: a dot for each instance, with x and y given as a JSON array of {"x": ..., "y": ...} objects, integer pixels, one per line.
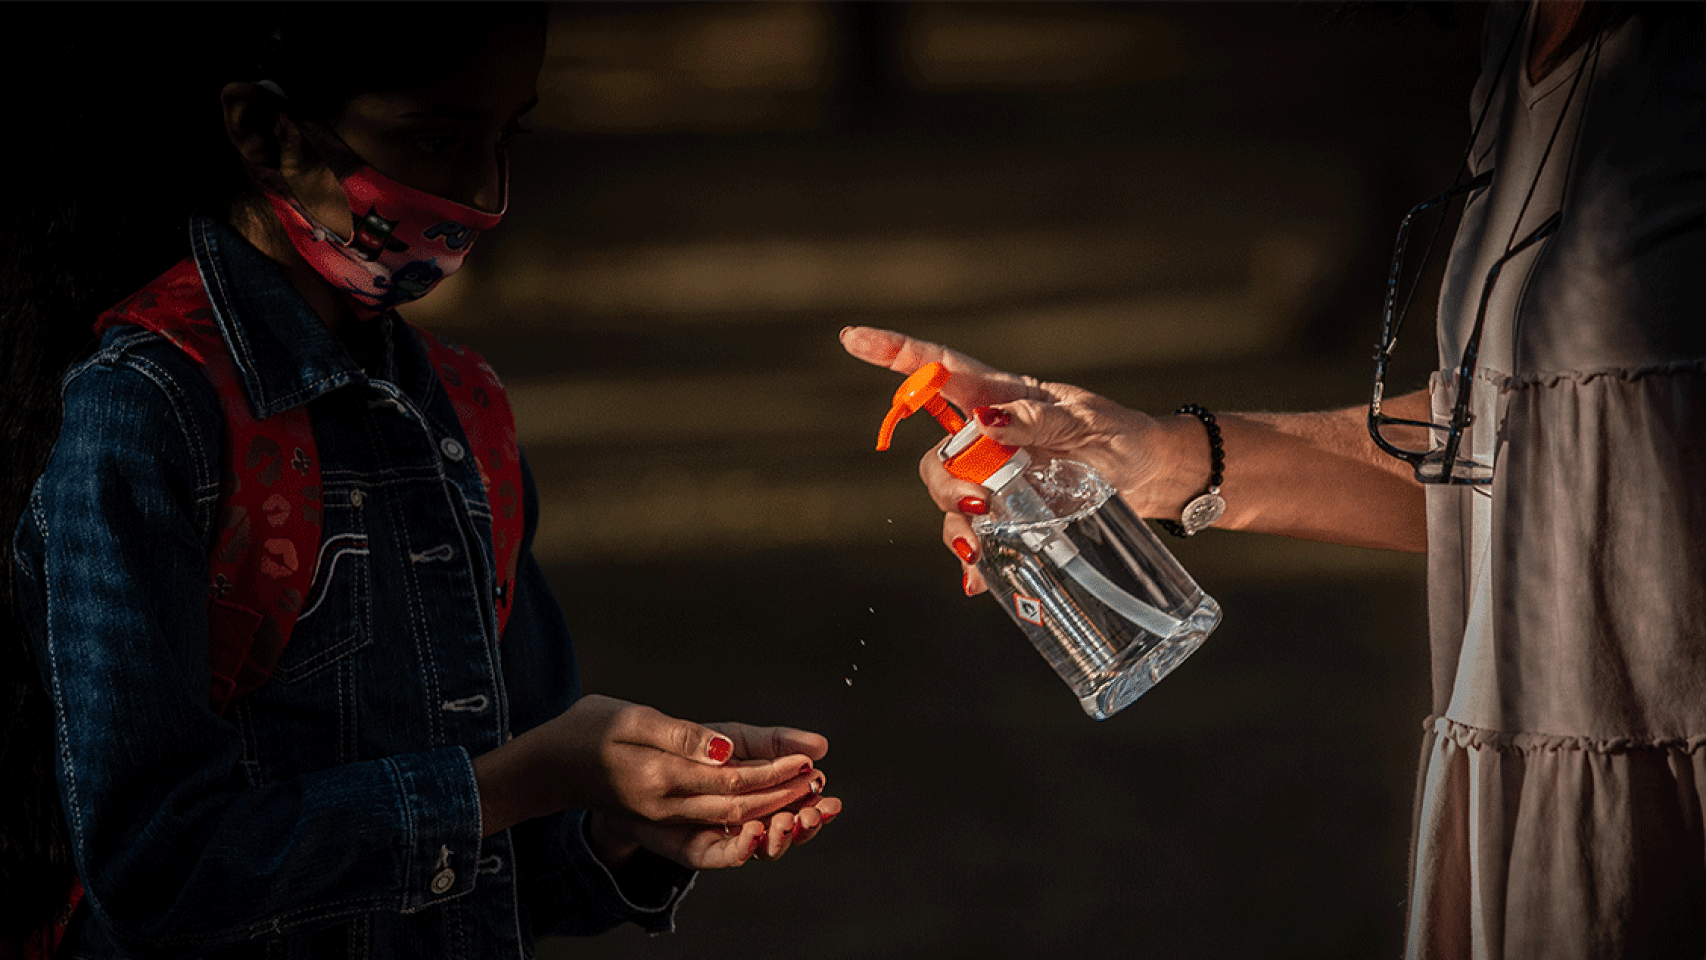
[{"x": 1106, "y": 604}]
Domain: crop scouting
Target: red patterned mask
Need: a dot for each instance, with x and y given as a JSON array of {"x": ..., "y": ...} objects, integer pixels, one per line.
[{"x": 402, "y": 241}]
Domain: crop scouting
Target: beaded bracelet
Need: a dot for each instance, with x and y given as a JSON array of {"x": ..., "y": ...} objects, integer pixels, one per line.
[{"x": 1207, "y": 507}]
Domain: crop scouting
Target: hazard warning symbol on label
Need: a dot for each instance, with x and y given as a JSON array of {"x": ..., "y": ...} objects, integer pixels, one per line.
[{"x": 1028, "y": 608}]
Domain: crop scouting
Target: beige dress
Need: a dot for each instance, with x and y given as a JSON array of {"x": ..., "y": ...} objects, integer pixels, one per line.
[{"x": 1559, "y": 808}]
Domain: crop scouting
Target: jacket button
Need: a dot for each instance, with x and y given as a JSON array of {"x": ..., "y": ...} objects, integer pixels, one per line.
[
  {"x": 443, "y": 880},
  {"x": 357, "y": 498},
  {"x": 452, "y": 450}
]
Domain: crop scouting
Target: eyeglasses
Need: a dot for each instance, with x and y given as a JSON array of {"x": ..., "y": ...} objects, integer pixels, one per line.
[{"x": 1444, "y": 461}]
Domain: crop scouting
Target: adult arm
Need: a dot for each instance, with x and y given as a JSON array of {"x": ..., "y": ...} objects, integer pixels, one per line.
[{"x": 1316, "y": 476}]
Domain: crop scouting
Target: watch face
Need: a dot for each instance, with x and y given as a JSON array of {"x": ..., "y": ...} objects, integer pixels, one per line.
[{"x": 1202, "y": 512}]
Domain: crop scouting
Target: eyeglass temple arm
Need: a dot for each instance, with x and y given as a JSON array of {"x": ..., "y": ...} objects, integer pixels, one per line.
[
  {"x": 1376, "y": 419},
  {"x": 1472, "y": 350},
  {"x": 1391, "y": 320}
]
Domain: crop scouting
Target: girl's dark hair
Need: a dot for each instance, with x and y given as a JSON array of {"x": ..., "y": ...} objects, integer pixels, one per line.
[{"x": 121, "y": 140}]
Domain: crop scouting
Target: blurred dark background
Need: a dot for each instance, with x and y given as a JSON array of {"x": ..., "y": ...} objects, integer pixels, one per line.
[{"x": 1163, "y": 203}]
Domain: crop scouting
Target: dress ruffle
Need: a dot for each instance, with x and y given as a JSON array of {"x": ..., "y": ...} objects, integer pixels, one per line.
[{"x": 1541, "y": 846}]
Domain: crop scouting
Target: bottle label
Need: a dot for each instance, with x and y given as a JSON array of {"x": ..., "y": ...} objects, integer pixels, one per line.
[{"x": 1029, "y": 609}]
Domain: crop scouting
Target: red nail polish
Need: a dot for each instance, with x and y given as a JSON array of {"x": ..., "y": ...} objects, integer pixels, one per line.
[
  {"x": 965, "y": 583},
  {"x": 720, "y": 750},
  {"x": 976, "y": 506},
  {"x": 963, "y": 550},
  {"x": 991, "y": 417}
]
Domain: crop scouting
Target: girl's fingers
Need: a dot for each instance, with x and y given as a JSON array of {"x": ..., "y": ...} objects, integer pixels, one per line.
[
  {"x": 703, "y": 847},
  {"x": 713, "y": 849},
  {"x": 742, "y": 778},
  {"x": 812, "y": 819},
  {"x": 647, "y": 727},
  {"x": 747, "y": 843},
  {"x": 779, "y": 836},
  {"x": 739, "y": 806},
  {"x": 790, "y": 828},
  {"x": 760, "y": 743}
]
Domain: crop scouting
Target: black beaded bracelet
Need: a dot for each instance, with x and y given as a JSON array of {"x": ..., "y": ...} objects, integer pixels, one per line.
[{"x": 1208, "y": 506}]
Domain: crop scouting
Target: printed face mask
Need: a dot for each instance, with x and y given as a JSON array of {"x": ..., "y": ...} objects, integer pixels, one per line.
[{"x": 402, "y": 241}]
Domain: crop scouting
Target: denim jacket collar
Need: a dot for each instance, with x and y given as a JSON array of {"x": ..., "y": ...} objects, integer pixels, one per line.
[{"x": 284, "y": 352}]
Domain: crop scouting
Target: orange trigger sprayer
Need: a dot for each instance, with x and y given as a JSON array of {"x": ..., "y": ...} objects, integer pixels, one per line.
[
  {"x": 968, "y": 454},
  {"x": 1086, "y": 580}
]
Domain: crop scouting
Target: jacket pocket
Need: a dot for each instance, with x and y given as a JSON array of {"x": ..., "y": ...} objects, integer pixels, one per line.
[{"x": 306, "y": 716}]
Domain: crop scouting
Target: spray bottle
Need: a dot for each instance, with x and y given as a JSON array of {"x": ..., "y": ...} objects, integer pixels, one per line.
[{"x": 1083, "y": 576}]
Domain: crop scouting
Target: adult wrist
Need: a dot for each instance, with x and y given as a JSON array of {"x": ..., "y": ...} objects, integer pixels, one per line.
[{"x": 1205, "y": 506}]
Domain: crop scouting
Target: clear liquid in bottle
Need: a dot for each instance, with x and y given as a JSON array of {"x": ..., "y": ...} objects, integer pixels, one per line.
[{"x": 1090, "y": 584}]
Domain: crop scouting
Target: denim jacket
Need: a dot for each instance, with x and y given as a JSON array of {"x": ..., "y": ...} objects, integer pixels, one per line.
[{"x": 333, "y": 812}]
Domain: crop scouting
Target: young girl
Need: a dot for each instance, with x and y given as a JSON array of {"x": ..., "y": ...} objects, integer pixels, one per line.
[{"x": 415, "y": 772}]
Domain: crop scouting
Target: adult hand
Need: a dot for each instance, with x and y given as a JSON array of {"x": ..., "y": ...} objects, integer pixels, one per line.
[
  {"x": 621, "y": 758},
  {"x": 1152, "y": 462}
]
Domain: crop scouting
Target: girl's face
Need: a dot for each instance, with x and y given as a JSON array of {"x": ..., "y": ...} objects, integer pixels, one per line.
[{"x": 447, "y": 137}]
